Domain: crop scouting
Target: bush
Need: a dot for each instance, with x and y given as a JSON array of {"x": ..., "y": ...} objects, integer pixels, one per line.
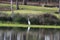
[
  {"x": 48, "y": 19},
  {"x": 34, "y": 19},
  {"x": 44, "y": 19},
  {"x": 5, "y": 17},
  {"x": 49, "y": 6},
  {"x": 24, "y": 18},
  {"x": 20, "y": 18}
]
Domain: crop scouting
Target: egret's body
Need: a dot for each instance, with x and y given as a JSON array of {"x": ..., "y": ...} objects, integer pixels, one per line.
[
  {"x": 29, "y": 22},
  {"x": 29, "y": 25}
]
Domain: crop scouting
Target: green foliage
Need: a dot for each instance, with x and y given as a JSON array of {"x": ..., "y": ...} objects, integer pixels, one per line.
[
  {"x": 44, "y": 19},
  {"x": 48, "y": 19},
  {"x": 34, "y": 19},
  {"x": 20, "y": 18},
  {"x": 4, "y": 17}
]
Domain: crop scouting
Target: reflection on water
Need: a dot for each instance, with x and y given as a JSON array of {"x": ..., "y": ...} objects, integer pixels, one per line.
[
  {"x": 47, "y": 37},
  {"x": 56, "y": 36},
  {"x": 14, "y": 35},
  {"x": 5, "y": 36},
  {"x": 18, "y": 36},
  {"x": 1, "y": 35}
]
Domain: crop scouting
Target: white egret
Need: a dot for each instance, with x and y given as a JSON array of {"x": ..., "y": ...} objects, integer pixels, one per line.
[{"x": 29, "y": 23}]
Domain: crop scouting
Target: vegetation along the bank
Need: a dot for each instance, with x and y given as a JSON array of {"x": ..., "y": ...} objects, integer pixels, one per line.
[{"x": 37, "y": 15}]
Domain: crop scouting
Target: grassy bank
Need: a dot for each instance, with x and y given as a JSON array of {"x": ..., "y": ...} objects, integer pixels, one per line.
[
  {"x": 30, "y": 9},
  {"x": 25, "y": 25},
  {"x": 26, "y": 9}
]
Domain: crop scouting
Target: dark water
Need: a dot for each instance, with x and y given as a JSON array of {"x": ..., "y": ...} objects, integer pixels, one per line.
[{"x": 31, "y": 35}]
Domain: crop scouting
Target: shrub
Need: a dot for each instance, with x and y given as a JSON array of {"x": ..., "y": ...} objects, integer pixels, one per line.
[
  {"x": 5, "y": 17},
  {"x": 49, "y": 6},
  {"x": 24, "y": 18},
  {"x": 34, "y": 19},
  {"x": 44, "y": 19},
  {"x": 20, "y": 18},
  {"x": 48, "y": 19}
]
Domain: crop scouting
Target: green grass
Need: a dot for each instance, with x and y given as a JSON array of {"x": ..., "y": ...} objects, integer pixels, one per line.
[
  {"x": 26, "y": 9},
  {"x": 38, "y": 8},
  {"x": 25, "y": 25},
  {"x": 31, "y": 9}
]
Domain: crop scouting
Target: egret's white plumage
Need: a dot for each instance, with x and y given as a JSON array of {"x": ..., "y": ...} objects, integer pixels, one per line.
[{"x": 28, "y": 24}]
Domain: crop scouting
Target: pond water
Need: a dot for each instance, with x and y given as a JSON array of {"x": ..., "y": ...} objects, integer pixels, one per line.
[
  {"x": 47, "y": 37},
  {"x": 31, "y": 35}
]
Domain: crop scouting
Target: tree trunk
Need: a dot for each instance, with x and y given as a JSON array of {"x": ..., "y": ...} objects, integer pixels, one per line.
[
  {"x": 59, "y": 6},
  {"x": 17, "y": 5},
  {"x": 12, "y": 6},
  {"x": 24, "y": 2},
  {"x": 12, "y": 9}
]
